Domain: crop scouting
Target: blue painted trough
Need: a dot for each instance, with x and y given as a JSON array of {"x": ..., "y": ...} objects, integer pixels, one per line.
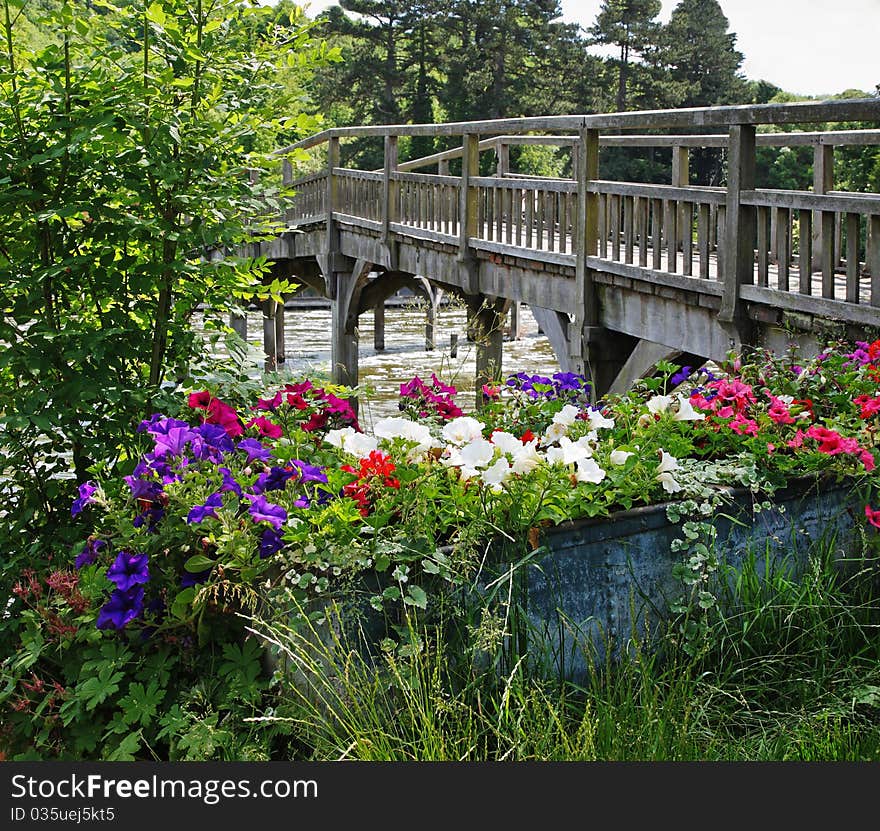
[{"x": 593, "y": 585}]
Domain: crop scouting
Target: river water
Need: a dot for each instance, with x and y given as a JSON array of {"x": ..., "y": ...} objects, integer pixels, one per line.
[{"x": 307, "y": 337}]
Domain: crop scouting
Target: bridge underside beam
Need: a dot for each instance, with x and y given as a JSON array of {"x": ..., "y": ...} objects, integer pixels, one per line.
[{"x": 643, "y": 361}]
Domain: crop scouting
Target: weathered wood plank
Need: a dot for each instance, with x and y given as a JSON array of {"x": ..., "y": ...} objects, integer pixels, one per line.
[
  {"x": 873, "y": 258},
  {"x": 703, "y": 241},
  {"x": 805, "y": 252},
  {"x": 739, "y": 252},
  {"x": 782, "y": 244},
  {"x": 852, "y": 258}
]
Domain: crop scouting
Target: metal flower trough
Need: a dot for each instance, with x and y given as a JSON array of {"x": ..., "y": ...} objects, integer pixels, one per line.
[{"x": 594, "y": 585}]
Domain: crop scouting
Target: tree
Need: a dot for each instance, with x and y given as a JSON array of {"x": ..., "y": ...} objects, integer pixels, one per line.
[
  {"x": 701, "y": 56},
  {"x": 630, "y": 26},
  {"x": 125, "y": 148}
]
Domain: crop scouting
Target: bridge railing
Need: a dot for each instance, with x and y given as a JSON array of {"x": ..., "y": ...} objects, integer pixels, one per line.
[{"x": 790, "y": 249}]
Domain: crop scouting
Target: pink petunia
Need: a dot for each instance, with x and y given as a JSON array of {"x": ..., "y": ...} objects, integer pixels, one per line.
[
  {"x": 266, "y": 427},
  {"x": 873, "y": 516}
]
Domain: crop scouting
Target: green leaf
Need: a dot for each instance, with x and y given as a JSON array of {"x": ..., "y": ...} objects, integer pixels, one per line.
[
  {"x": 99, "y": 688},
  {"x": 141, "y": 704},
  {"x": 416, "y": 597},
  {"x": 125, "y": 751},
  {"x": 156, "y": 14},
  {"x": 198, "y": 562}
]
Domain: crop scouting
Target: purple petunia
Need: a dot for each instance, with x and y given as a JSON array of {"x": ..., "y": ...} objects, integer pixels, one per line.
[
  {"x": 681, "y": 376},
  {"x": 191, "y": 578},
  {"x": 173, "y": 442},
  {"x": 90, "y": 553},
  {"x": 263, "y": 511},
  {"x": 129, "y": 569},
  {"x": 274, "y": 480},
  {"x": 199, "y": 513},
  {"x": 210, "y": 442},
  {"x": 270, "y": 543},
  {"x": 309, "y": 473},
  {"x": 229, "y": 483},
  {"x": 86, "y": 496},
  {"x": 254, "y": 450},
  {"x": 122, "y": 608}
]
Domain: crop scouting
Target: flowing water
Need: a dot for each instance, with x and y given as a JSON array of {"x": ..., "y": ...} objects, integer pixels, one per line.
[{"x": 307, "y": 341}]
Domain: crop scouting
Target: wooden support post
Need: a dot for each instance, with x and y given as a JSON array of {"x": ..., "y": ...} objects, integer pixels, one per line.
[
  {"x": 379, "y": 326},
  {"x": 586, "y": 236},
  {"x": 443, "y": 167},
  {"x": 453, "y": 345},
  {"x": 331, "y": 243},
  {"x": 269, "y": 342},
  {"x": 739, "y": 251},
  {"x": 681, "y": 178},
  {"x": 502, "y": 151},
  {"x": 343, "y": 334},
  {"x": 430, "y": 319},
  {"x": 390, "y": 190},
  {"x": 469, "y": 208},
  {"x": 279, "y": 334},
  {"x": 238, "y": 322},
  {"x": 486, "y": 318},
  {"x": 514, "y": 318},
  {"x": 823, "y": 181}
]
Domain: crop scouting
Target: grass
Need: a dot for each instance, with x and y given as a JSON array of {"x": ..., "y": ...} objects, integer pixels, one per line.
[{"x": 791, "y": 672}]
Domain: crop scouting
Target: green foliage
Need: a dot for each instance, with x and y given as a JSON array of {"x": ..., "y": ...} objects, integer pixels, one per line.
[{"x": 125, "y": 153}]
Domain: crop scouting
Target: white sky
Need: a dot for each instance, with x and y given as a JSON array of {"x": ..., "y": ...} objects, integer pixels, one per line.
[{"x": 807, "y": 47}]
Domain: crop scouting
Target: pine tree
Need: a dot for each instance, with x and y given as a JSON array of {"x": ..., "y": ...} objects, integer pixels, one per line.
[
  {"x": 701, "y": 56},
  {"x": 630, "y": 26}
]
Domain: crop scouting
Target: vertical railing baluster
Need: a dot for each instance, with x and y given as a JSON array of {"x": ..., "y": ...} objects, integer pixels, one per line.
[
  {"x": 686, "y": 215},
  {"x": 703, "y": 239},
  {"x": 782, "y": 244},
  {"x": 852, "y": 258},
  {"x": 644, "y": 211},
  {"x": 826, "y": 255},
  {"x": 628, "y": 230},
  {"x": 872, "y": 257},
  {"x": 805, "y": 251},
  {"x": 657, "y": 234},
  {"x": 763, "y": 246}
]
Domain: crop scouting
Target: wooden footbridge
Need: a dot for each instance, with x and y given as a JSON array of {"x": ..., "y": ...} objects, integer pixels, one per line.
[{"x": 619, "y": 274}]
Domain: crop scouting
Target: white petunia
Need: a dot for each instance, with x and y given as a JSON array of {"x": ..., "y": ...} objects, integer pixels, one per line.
[
  {"x": 574, "y": 451},
  {"x": 477, "y": 453},
  {"x": 554, "y": 432},
  {"x": 527, "y": 459},
  {"x": 395, "y": 427},
  {"x": 567, "y": 415},
  {"x": 337, "y": 437},
  {"x": 506, "y": 442},
  {"x": 686, "y": 411},
  {"x": 463, "y": 429},
  {"x": 599, "y": 422},
  {"x": 619, "y": 457},
  {"x": 465, "y": 473},
  {"x": 496, "y": 475},
  {"x": 359, "y": 444},
  {"x": 659, "y": 403},
  {"x": 668, "y": 463},
  {"x": 589, "y": 471}
]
